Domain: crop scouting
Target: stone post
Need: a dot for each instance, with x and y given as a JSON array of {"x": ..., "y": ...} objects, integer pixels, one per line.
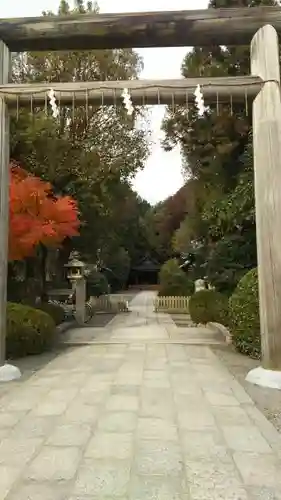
[{"x": 80, "y": 300}]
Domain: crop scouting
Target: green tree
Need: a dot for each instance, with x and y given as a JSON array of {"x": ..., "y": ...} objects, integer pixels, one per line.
[
  {"x": 173, "y": 281},
  {"x": 216, "y": 152},
  {"x": 117, "y": 268},
  {"x": 89, "y": 152}
]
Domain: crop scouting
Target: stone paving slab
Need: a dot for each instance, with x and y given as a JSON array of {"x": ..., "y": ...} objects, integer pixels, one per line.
[
  {"x": 142, "y": 325},
  {"x": 136, "y": 421}
]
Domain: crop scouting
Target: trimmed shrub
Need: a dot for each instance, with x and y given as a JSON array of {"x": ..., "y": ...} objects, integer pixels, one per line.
[
  {"x": 208, "y": 305},
  {"x": 173, "y": 281},
  {"x": 29, "y": 331},
  {"x": 54, "y": 310},
  {"x": 244, "y": 315}
]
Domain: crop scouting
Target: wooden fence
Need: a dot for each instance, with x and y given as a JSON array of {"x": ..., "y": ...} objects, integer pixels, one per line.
[
  {"x": 172, "y": 304},
  {"x": 107, "y": 303}
]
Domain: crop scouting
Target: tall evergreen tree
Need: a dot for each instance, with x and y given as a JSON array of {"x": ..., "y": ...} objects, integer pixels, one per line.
[{"x": 216, "y": 152}]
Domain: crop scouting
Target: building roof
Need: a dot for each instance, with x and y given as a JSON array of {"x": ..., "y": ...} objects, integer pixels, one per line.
[{"x": 147, "y": 264}]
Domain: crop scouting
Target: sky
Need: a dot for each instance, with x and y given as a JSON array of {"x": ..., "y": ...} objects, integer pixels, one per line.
[{"x": 162, "y": 175}]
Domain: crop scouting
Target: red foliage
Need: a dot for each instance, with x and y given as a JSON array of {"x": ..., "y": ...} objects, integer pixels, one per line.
[
  {"x": 172, "y": 212},
  {"x": 36, "y": 216}
]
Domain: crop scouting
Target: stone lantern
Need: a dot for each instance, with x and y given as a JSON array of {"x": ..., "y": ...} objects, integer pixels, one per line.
[
  {"x": 76, "y": 275},
  {"x": 75, "y": 270}
]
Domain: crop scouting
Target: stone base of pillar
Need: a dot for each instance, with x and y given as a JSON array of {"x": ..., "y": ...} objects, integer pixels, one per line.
[
  {"x": 265, "y": 378},
  {"x": 9, "y": 373}
]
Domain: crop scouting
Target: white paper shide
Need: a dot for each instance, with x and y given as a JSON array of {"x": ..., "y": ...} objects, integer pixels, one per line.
[
  {"x": 53, "y": 104},
  {"x": 199, "y": 100},
  {"x": 127, "y": 102}
]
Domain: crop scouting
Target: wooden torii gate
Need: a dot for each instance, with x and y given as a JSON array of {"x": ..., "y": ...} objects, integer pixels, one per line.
[{"x": 258, "y": 26}]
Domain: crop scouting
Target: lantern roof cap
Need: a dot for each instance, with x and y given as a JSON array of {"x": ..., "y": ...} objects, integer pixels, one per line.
[{"x": 75, "y": 263}]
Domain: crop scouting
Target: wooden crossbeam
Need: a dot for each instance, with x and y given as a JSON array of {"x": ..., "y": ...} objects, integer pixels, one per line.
[
  {"x": 144, "y": 29},
  {"x": 143, "y": 92}
]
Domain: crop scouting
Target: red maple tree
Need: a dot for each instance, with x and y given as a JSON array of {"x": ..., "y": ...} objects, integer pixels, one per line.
[{"x": 36, "y": 215}]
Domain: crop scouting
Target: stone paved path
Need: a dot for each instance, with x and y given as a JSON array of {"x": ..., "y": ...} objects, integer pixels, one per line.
[
  {"x": 136, "y": 421},
  {"x": 143, "y": 325}
]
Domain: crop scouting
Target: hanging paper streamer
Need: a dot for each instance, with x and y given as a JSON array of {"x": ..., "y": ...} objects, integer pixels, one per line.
[
  {"x": 55, "y": 109},
  {"x": 127, "y": 102},
  {"x": 199, "y": 100}
]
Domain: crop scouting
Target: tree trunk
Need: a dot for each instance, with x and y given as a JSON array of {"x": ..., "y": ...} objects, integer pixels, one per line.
[{"x": 43, "y": 262}]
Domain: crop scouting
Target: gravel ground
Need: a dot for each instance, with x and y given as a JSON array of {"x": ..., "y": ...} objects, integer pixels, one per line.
[
  {"x": 100, "y": 320},
  {"x": 267, "y": 400}
]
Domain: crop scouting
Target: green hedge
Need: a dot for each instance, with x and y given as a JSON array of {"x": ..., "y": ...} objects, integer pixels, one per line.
[
  {"x": 29, "y": 331},
  {"x": 208, "y": 305},
  {"x": 54, "y": 310},
  {"x": 244, "y": 315},
  {"x": 173, "y": 281}
]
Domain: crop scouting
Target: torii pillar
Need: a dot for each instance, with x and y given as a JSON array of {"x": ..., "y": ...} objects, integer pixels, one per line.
[
  {"x": 265, "y": 63},
  {"x": 7, "y": 372}
]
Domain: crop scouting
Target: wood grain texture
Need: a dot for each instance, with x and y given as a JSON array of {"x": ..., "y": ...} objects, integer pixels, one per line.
[
  {"x": 267, "y": 164},
  {"x": 4, "y": 196},
  {"x": 142, "y": 92},
  {"x": 145, "y": 29}
]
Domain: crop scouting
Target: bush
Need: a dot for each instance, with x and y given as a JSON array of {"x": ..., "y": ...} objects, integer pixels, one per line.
[
  {"x": 229, "y": 260},
  {"x": 97, "y": 284},
  {"x": 173, "y": 280},
  {"x": 54, "y": 310},
  {"x": 208, "y": 305},
  {"x": 29, "y": 331},
  {"x": 244, "y": 315}
]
